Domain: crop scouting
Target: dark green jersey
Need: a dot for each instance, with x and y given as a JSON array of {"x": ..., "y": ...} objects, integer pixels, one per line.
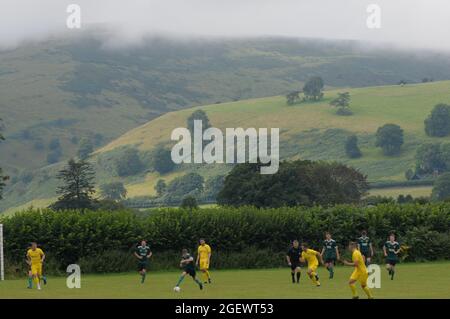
[
  {"x": 330, "y": 248},
  {"x": 391, "y": 248},
  {"x": 143, "y": 251},
  {"x": 189, "y": 264},
  {"x": 364, "y": 244}
]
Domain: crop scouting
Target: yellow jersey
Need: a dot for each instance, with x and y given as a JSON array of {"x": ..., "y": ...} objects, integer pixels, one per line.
[
  {"x": 358, "y": 259},
  {"x": 204, "y": 251},
  {"x": 310, "y": 255},
  {"x": 35, "y": 256}
]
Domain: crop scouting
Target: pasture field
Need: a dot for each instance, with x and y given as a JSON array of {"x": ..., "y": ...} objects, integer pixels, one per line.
[{"x": 414, "y": 191}]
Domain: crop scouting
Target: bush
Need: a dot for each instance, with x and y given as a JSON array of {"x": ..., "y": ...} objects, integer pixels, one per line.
[
  {"x": 426, "y": 244},
  {"x": 351, "y": 147},
  {"x": 239, "y": 236},
  {"x": 344, "y": 111}
]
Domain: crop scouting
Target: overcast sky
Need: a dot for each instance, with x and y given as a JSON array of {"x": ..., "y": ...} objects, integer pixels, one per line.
[{"x": 408, "y": 23}]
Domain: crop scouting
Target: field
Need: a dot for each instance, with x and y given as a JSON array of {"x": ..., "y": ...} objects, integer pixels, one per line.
[
  {"x": 420, "y": 280},
  {"x": 394, "y": 192}
]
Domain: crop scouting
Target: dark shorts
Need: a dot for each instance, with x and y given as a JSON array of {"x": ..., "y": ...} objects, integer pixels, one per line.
[
  {"x": 366, "y": 254},
  {"x": 391, "y": 262},
  {"x": 295, "y": 265},
  {"x": 190, "y": 272},
  {"x": 330, "y": 260},
  {"x": 142, "y": 265}
]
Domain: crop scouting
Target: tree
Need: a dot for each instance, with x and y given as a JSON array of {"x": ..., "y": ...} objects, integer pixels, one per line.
[
  {"x": 189, "y": 202},
  {"x": 390, "y": 138},
  {"x": 129, "y": 163},
  {"x": 113, "y": 191},
  {"x": 445, "y": 155},
  {"x": 410, "y": 174},
  {"x": 441, "y": 187},
  {"x": 343, "y": 100},
  {"x": 292, "y": 97},
  {"x": 190, "y": 184},
  {"x": 351, "y": 147},
  {"x": 78, "y": 186},
  {"x": 86, "y": 147},
  {"x": 313, "y": 88},
  {"x": 162, "y": 160},
  {"x": 213, "y": 186},
  {"x": 438, "y": 122},
  {"x": 342, "y": 103},
  {"x": 160, "y": 187},
  {"x": 297, "y": 183},
  {"x": 3, "y": 178},
  {"x": 429, "y": 158},
  {"x": 198, "y": 115}
]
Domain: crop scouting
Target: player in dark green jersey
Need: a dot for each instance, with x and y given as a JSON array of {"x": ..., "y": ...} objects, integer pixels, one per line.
[
  {"x": 143, "y": 253},
  {"x": 330, "y": 253},
  {"x": 365, "y": 247},
  {"x": 188, "y": 265},
  {"x": 391, "y": 249}
]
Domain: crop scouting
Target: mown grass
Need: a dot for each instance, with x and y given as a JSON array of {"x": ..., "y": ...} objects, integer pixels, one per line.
[{"x": 414, "y": 280}]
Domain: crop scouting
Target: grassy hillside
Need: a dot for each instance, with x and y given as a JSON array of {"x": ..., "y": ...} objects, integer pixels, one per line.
[
  {"x": 77, "y": 87},
  {"x": 314, "y": 131},
  {"x": 309, "y": 131}
]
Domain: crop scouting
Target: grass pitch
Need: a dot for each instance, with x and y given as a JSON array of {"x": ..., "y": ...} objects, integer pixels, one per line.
[{"x": 420, "y": 280}]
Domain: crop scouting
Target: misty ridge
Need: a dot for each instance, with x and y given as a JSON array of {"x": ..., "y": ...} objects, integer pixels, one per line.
[{"x": 411, "y": 25}]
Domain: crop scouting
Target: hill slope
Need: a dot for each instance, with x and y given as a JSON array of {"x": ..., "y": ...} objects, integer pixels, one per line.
[
  {"x": 309, "y": 130},
  {"x": 76, "y": 87}
]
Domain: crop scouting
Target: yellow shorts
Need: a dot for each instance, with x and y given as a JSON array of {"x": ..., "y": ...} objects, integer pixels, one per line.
[
  {"x": 204, "y": 264},
  {"x": 36, "y": 270},
  {"x": 313, "y": 267},
  {"x": 360, "y": 277}
]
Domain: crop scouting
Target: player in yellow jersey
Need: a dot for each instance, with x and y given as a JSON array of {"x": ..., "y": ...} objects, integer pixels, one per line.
[
  {"x": 311, "y": 257},
  {"x": 203, "y": 260},
  {"x": 360, "y": 273},
  {"x": 35, "y": 258}
]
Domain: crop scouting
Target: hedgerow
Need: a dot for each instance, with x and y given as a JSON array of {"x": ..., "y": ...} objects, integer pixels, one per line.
[{"x": 242, "y": 237}]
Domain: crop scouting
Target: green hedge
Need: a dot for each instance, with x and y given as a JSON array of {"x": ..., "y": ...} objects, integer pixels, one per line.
[
  {"x": 410, "y": 183},
  {"x": 245, "y": 237}
]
